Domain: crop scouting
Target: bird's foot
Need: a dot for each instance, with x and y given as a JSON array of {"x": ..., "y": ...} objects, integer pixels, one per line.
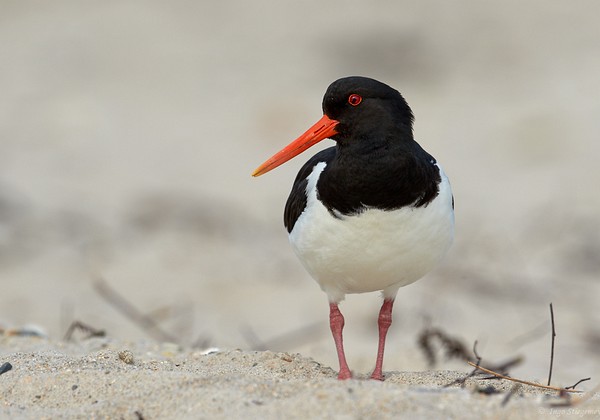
[
  {"x": 344, "y": 374},
  {"x": 377, "y": 375}
]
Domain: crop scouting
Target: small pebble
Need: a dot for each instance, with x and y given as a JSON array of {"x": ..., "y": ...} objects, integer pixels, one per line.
[
  {"x": 5, "y": 368},
  {"x": 210, "y": 350},
  {"x": 126, "y": 356}
]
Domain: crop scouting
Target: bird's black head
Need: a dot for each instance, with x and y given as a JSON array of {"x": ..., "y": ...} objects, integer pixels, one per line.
[
  {"x": 362, "y": 115},
  {"x": 367, "y": 108}
]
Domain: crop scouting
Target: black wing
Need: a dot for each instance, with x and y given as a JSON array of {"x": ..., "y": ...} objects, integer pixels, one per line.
[{"x": 296, "y": 202}]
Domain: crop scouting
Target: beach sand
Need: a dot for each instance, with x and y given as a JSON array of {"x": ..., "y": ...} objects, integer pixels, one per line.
[{"x": 104, "y": 378}]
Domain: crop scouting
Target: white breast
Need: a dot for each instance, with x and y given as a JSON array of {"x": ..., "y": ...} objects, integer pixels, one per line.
[{"x": 376, "y": 249}]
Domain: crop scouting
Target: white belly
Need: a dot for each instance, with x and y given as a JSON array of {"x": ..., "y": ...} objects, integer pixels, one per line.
[{"x": 376, "y": 249}]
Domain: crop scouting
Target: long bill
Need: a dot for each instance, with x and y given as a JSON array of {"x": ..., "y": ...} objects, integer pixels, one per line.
[{"x": 322, "y": 129}]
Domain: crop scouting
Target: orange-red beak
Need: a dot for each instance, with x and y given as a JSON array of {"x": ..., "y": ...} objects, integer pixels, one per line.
[{"x": 323, "y": 129}]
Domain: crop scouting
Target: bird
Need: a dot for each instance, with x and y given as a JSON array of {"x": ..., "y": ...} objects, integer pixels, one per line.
[{"x": 374, "y": 212}]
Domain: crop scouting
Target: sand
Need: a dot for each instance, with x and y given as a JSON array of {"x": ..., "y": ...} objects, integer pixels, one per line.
[
  {"x": 128, "y": 132},
  {"x": 105, "y": 378}
]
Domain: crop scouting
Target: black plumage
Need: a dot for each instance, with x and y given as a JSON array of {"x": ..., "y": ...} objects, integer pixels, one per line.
[{"x": 387, "y": 172}]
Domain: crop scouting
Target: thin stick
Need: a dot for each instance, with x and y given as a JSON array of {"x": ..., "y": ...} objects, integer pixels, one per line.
[
  {"x": 578, "y": 382},
  {"x": 585, "y": 397},
  {"x": 462, "y": 381},
  {"x": 552, "y": 349},
  {"x": 122, "y": 305},
  {"x": 508, "y": 378},
  {"x": 477, "y": 356},
  {"x": 92, "y": 332}
]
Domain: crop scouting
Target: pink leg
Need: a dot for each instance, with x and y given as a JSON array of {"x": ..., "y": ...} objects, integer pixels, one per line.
[
  {"x": 336, "y": 322},
  {"x": 384, "y": 322}
]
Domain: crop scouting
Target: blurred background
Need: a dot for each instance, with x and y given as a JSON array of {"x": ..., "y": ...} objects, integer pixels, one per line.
[{"x": 129, "y": 129}]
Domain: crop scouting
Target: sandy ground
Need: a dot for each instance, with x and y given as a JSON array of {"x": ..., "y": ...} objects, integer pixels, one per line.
[
  {"x": 128, "y": 131},
  {"x": 103, "y": 378}
]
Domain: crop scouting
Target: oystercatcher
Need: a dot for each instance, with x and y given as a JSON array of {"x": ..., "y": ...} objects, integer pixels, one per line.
[{"x": 373, "y": 213}]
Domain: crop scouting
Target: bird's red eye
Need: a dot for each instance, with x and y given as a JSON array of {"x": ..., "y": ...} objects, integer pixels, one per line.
[{"x": 354, "y": 99}]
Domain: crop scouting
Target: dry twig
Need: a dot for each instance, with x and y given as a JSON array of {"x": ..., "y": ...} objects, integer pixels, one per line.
[
  {"x": 78, "y": 325},
  {"x": 145, "y": 322},
  {"x": 576, "y": 400},
  {"x": 577, "y": 383},
  {"x": 453, "y": 347},
  {"x": 462, "y": 381},
  {"x": 508, "y": 378},
  {"x": 552, "y": 348}
]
